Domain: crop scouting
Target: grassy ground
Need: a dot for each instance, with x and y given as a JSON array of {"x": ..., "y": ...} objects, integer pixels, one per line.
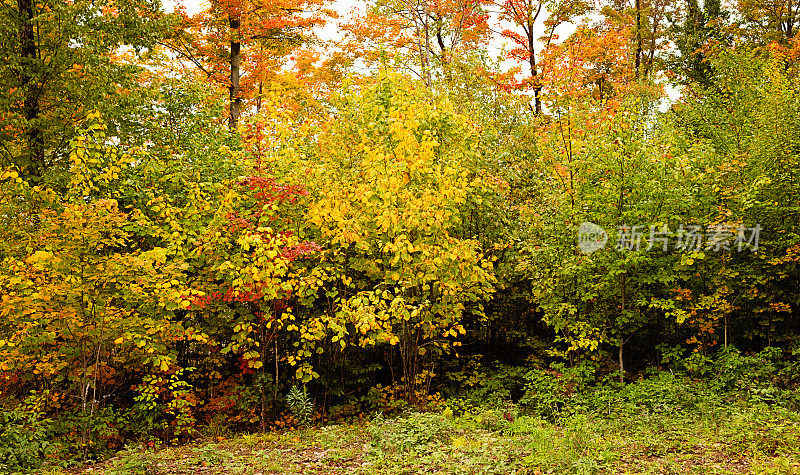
[{"x": 756, "y": 438}]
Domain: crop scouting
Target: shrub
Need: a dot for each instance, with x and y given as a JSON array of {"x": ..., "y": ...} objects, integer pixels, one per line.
[
  {"x": 416, "y": 432},
  {"x": 549, "y": 391},
  {"x": 300, "y": 404},
  {"x": 23, "y": 439}
]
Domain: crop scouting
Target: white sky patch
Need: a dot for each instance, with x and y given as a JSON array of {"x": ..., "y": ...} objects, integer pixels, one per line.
[{"x": 192, "y": 6}]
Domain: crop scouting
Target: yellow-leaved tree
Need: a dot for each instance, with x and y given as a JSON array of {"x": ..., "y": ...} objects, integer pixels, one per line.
[
  {"x": 394, "y": 178},
  {"x": 71, "y": 280}
]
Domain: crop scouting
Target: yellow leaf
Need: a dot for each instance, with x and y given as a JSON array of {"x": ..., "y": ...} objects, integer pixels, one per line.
[{"x": 119, "y": 341}]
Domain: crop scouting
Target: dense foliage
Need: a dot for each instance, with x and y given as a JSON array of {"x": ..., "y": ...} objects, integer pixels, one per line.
[{"x": 202, "y": 214}]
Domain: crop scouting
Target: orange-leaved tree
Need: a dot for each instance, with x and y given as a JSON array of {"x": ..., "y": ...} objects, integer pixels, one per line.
[
  {"x": 242, "y": 43},
  {"x": 526, "y": 17},
  {"x": 424, "y": 34}
]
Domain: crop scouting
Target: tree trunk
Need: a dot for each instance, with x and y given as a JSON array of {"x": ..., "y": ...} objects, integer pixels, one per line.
[
  {"x": 275, "y": 385},
  {"x": 726, "y": 331},
  {"x": 421, "y": 48},
  {"x": 443, "y": 55},
  {"x": 234, "y": 89},
  {"x": 428, "y": 78},
  {"x": 33, "y": 164},
  {"x": 263, "y": 388},
  {"x": 638, "y": 37},
  {"x": 260, "y": 94},
  {"x": 534, "y": 74},
  {"x": 621, "y": 338}
]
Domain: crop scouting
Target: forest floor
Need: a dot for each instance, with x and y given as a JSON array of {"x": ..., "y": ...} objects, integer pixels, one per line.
[{"x": 750, "y": 439}]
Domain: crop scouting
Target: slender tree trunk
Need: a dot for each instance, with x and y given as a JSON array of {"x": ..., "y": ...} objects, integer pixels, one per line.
[
  {"x": 769, "y": 330},
  {"x": 84, "y": 364},
  {"x": 96, "y": 375},
  {"x": 650, "y": 58},
  {"x": 260, "y": 94},
  {"x": 443, "y": 55},
  {"x": 725, "y": 322},
  {"x": 785, "y": 26},
  {"x": 792, "y": 10},
  {"x": 427, "y": 47},
  {"x": 33, "y": 163},
  {"x": 620, "y": 209},
  {"x": 638, "y": 37},
  {"x": 84, "y": 399},
  {"x": 423, "y": 52},
  {"x": 260, "y": 89},
  {"x": 263, "y": 374},
  {"x": 235, "y": 61},
  {"x": 275, "y": 385},
  {"x": 621, "y": 339},
  {"x": 534, "y": 73}
]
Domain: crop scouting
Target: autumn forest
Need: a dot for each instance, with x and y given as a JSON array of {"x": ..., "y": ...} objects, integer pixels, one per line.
[{"x": 439, "y": 236}]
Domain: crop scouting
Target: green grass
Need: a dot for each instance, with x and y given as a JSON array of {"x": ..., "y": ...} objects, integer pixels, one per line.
[{"x": 717, "y": 439}]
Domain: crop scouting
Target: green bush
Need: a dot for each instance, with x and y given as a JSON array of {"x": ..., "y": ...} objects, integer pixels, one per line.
[
  {"x": 754, "y": 375},
  {"x": 484, "y": 383},
  {"x": 663, "y": 393},
  {"x": 416, "y": 432},
  {"x": 730, "y": 370},
  {"x": 549, "y": 391},
  {"x": 23, "y": 439}
]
